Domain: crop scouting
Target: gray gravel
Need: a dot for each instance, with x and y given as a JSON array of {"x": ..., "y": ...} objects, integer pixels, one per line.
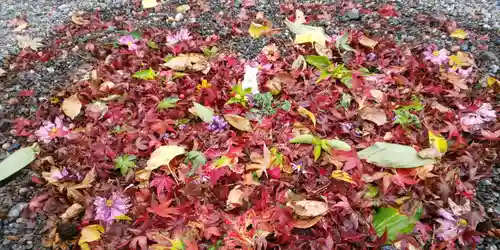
[{"x": 42, "y": 15}]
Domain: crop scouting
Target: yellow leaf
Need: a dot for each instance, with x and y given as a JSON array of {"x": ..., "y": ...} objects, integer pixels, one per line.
[
  {"x": 438, "y": 142},
  {"x": 177, "y": 244},
  {"x": 162, "y": 156},
  {"x": 257, "y": 30},
  {"x": 90, "y": 233},
  {"x": 123, "y": 217},
  {"x": 71, "y": 106},
  {"x": 182, "y": 8},
  {"x": 459, "y": 33},
  {"x": 238, "y": 122},
  {"x": 461, "y": 59},
  {"x": 367, "y": 42},
  {"x": 307, "y": 33},
  {"x": 146, "y": 4},
  {"x": 342, "y": 176},
  {"x": 492, "y": 81},
  {"x": 304, "y": 111}
]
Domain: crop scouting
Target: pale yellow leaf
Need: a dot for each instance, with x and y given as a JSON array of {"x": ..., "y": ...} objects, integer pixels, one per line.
[
  {"x": 309, "y": 208},
  {"x": 307, "y": 33},
  {"x": 235, "y": 197},
  {"x": 146, "y": 4},
  {"x": 191, "y": 61},
  {"x": 71, "y": 106},
  {"x": 162, "y": 156},
  {"x": 241, "y": 123},
  {"x": 21, "y": 25},
  {"x": 459, "y": 33},
  {"x": 182, "y": 8},
  {"x": 342, "y": 176},
  {"x": 90, "y": 233},
  {"x": 28, "y": 42},
  {"x": 377, "y": 95},
  {"x": 424, "y": 172},
  {"x": 368, "y": 42},
  {"x": 305, "y": 112},
  {"x": 76, "y": 17}
]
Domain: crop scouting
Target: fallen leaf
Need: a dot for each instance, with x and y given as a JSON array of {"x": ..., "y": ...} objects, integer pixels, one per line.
[
  {"x": 303, "y": 111},
  {"x": 206, "y": 114},
  {"x": 299, "y": 17},
  {"x": 375, "y": 115},
  {"x": 392, "y": 155},
  {"x": 162, "y": 156},
  {"x": 461, "y": 59},
  {"x": 259, "y": 163},
  {"x": 146, "y": 4},
  {"x": 76, "y": 17},
  {"x": 146, "y": 74},
  {"x": 71, "y": 106},
  {"x": 342, "y": 176},
  {"x": 306, "y": 223},
  {"x": 28, "y": 42},
  {"x": 390, "y": 220},
  {"x": 309, "y": 208},
  {"x": 307, "y": 33},
  {"x": 430, "y": 153},
  {"x": 377, "y": 95},
  {"x": 367, "y": 42},
  {"x": 424, "y": 172},
  {"x": 459, "y": 33},
  {"x": 440, "y": 107},
  {"x": 257, "y": 30},
  {"x": 90, "y": 233},
  {"x": 491, "y": 81},
  {"x": 191, "y": 61},
  {"x": 458, "y": 81},
  {"x": 438, "y": 142},
  {"x": 235, "y": 197},
  {"x": 17, "y": 161},
  {"x": 299, "y": 62},
  {"x": 73, "y": 211},
  {"x": 182, "y": 8},
  {"x": 2, "y": 72},
  {"x": 241, "y": 123},
  {"x": 21, "y": 25},
  {"x": 250, "y": 79}
]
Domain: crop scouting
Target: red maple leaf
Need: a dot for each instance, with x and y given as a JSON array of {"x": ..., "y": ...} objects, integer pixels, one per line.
[
  {"x": 162, "y": 183},
  {"x": 164, "y": 210}
]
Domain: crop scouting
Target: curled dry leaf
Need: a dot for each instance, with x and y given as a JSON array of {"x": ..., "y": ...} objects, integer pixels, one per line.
[
  {"x": 239, "y": 122},
  {"x": 76, "y": 17},
  {"x": 375, "y": 115},
  {"x": 309, "y": 208},
  {"x": 71, "y": 106},
  {"x": 191, "y": 61},
  {"x": 162, "y": 156},
  {"x": 235, "y": 197},
  {"x": 28, "y": 42},
  {"x": 21, "y": 25},
  {"x": 73, "y": 211},
  {"x": 303, "y": 111}
]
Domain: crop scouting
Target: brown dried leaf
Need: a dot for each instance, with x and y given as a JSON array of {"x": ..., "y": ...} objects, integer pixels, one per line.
[
  {"x": 235, "y": 197},
  {"x": 307, "y": 223},
  {"x": 367, "y": 42},
  {"x": 77, "y": 18},
  {"x": 71, "y": 106},
  {"x": 375, "y": 115},
  {"x": 239, "y": 122},
  {"x": 191, "y": 61},
  {"x": 72, "y": 211}
]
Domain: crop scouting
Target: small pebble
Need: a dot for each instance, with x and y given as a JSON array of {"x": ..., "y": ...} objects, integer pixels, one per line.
[
  {"x": 464, "y": 47},
  {"x": 354, "y": 14},
  {"x": 16, "y": 210},
  {"x": 6, "y": 145}
]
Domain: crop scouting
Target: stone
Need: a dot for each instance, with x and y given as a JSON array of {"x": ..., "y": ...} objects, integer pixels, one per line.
[
  {"x": 16, "y": 210},
  {"x": 354, "y": 14},
  {"x": 488, "y": 56},
  {"x": 5, "y": 146},
  {"x": 455, "y": 48},
  {"x": 464, "y": 47}
]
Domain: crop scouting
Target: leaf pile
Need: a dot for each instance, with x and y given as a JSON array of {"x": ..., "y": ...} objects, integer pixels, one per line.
[{"x": 347, "y": 153}]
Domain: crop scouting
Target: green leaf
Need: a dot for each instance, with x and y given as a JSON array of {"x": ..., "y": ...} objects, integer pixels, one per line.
[
  {"x": 197, "y": 159},
  {"x": 391, "y": 155},
  {"x": 136, "y": 34},
  {"x": 124, "y": 163},
  {"x": 338, "y": 144},
  {"x": 18, "y": 160},
  {"x": 203, "y": 112},
  {"x": 168, "y": 103},
  {"x": 320, "y": 62},
  {"x": 146, "y": 74},
  {"x": 152, "y": 45},
  {"x": 345, "y": 101},
  {"x": 306, "y": 139},
  {"x": 317, "y": 152},
  {"x": 389, "y": 219},
  {"x": 286, "y": 105}
]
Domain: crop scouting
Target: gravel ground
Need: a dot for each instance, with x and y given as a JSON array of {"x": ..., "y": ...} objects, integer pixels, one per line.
[{"x": 481, "y": 16}]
